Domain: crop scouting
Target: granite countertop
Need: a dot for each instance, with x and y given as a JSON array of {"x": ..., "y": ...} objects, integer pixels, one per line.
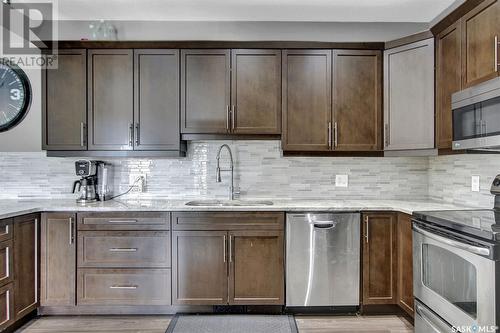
[{"x": 11, "y": 207}]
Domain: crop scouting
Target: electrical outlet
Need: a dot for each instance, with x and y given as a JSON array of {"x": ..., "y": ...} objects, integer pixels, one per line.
[
  {"x": 475, "y": 183},
  {"x": 341, "y": 180},
  {"x": 138, "y": 185}
]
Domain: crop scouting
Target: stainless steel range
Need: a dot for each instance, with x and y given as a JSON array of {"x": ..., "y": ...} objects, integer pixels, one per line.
[{"x": 456, "y": 269}]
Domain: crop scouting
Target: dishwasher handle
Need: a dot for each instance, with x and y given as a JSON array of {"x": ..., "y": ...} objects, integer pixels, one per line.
[{"x": 324, "y": 224}]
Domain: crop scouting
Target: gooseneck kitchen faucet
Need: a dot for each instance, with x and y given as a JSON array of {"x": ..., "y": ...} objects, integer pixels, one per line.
[{"x": 218, "y": 178}]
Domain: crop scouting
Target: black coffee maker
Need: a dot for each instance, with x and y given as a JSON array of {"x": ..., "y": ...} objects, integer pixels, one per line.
[{"x": 87, "y": 185}]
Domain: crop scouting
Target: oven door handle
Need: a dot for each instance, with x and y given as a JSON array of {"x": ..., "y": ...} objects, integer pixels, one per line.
[
  {"x": 482, "y": 251},
  {"x": 423, "y": 314}
]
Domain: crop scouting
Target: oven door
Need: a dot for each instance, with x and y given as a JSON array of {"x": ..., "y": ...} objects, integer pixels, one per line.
[{"x": 453, "y": 280}]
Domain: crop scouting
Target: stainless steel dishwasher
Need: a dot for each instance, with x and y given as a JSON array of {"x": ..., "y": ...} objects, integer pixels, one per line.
[{"x": 322, "y": 255}]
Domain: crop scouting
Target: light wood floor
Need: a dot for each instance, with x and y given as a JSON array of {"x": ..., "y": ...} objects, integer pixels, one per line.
[{"x": 158, "y": 324}]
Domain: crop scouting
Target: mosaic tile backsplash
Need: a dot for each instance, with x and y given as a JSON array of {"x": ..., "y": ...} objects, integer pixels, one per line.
[
  {"x": 262, "y": 172},
  {"x": 450, "y": 178}
]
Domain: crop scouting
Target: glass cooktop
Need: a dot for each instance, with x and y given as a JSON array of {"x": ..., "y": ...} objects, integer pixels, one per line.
[{"x": 480, "y": 223}]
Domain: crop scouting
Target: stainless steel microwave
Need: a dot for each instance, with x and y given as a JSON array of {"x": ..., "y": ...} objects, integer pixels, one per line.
[{"x": 476, "y": 117}]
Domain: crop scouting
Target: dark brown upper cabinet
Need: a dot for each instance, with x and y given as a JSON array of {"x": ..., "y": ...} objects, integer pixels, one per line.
[
  {"x": 480, "y": 34},
  {"x": 448, "y": 80},
  {"x": 332, "y": 110},
  {"x": 65, "y": 102},
  {"x": 205, "y": 91},
  {"x": 157, "y": 100},
  {"x": 231, "y": 91},
  {"x": 110, "y": 99},
  {"x": 256, "y": 92},
  {"x": 307, "y": 100},
  {"x": 357, "y": 100}
]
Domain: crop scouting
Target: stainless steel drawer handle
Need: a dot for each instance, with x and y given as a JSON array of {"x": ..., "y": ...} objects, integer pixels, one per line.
[
  {"x": 466, "y": 247},
  {"x": 122, "y": 221},
  {"x": 124, "y": 287},
  {"x": 124, "y": 249}
]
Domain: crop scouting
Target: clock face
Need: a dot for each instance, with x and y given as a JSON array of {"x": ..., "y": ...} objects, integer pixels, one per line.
[{"x": 15, "y": 95}]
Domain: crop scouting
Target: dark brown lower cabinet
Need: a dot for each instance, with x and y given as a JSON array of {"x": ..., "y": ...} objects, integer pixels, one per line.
[
  {"x": 379, "y": 258},
  {"x": 58, "y": 259},
  {"x": 200, "y": 267},
  {"x": 388, "y": 260},
  {"x": 405, "y": 263},
  {"x": 255, "y": 267},
  {"x": 26, "y": 242},
  {"x": 6, "y": 306},
  {"x": 233, "y": 265}
]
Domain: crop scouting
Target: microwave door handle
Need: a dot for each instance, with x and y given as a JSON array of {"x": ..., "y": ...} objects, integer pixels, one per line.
[
  {"x": 482, "y": 251},
  {"x": 422, "y": 313}
]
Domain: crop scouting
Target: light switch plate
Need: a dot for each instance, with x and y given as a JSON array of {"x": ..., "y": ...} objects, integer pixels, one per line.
[
  {"x": 341, "y": 180},
  {"x": 474, "y": 183}
]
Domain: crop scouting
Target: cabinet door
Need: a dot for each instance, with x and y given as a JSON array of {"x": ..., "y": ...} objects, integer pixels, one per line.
[
  {"x": 409, "y": 96},
  {"x": 65, "y": 102},
  {"x": 6, "y": 306},
  {"x": 480, "y": 31},
  {"x": 256, "y": 92},
  {"x": 307, "y": 100},
  {"x": 58, "y": 259},
  {"x": 448, "y": 81},
  {"x": 205, "y": 91},
  {"x": 405, "y": 263},
  {"x": 256, "y": 270},
  {"x": 110, "y": 99},
  {"x": 357, "y": 100},
  {"x": 6, "y": 262},
  {"x": 379, "y": 259},
  {"x": 199, "y": 267},
  {"x": 157, "y": 99},
  {"x": 26, "y": 240}
]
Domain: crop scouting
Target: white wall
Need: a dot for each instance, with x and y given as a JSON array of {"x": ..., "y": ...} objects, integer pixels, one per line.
[{"x": 249, "y": 31}]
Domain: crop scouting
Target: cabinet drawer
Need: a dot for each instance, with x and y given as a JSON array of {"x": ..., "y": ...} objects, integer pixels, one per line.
[
  {"x": 6, "y": 262},
  {"x": 5, "y": 229},
  {"x": 124, "y": 249},
  {"x": 124, "y": 287},
  {"x": 228, "y": 221},
  {"x": 6, "y": 305},
  {"x": 124, "y": 221}
]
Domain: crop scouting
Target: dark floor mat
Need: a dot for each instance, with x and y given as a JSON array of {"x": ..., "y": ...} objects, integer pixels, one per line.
[{"x": 232, "y": 324}]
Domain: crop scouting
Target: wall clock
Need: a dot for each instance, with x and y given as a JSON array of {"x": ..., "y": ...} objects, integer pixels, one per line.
[{"x": 15, "y": 95}]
